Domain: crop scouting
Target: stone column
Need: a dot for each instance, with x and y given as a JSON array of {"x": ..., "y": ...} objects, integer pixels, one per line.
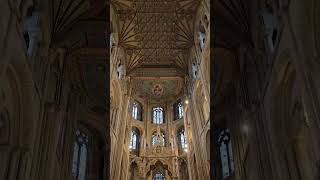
[
  {"x": 308, "y": 94},
  {"x": 11, "y": 13}
]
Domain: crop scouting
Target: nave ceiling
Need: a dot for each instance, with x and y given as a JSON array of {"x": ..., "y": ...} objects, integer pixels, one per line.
[{"x": 157, "y": 37}]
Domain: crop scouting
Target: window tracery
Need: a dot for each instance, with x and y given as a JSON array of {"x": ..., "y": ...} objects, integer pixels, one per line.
[
  {"x": 159, "y": 173},
  {"x": 226, "y": 157},
  {"x": 136, "y": 111},
  {"x": 134, "y": 140},
  {"x": 158, "y": 138},
  {"x": 80, "y": 153},
  {"x": 178, "y": 110},
  {"x": 158, "y": 115},
  {"x": 182, "y": 139}
]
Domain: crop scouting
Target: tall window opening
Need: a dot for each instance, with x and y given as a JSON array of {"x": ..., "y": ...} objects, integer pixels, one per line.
[
  {"x": 136, "y": 111},
  {"x": 201, "y": 37},
  {"x": 80, "y": 153},
  {"x": 226, "y": 157},
  {"x": 178, "y": 110},
  {"x": 134, "y": 140},
  {"x": 158, "y": 116},
  {"x": 182, "y": 139}
]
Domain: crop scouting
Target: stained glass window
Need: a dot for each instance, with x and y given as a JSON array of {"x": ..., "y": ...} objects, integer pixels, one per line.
[
  {"x": 157, "y": 115},
  {"x": 80, "y": 153}
]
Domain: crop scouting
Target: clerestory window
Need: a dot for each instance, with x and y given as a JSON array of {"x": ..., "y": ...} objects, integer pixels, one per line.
[
  {"x": 178, "y": 110},
  {"x": 182, "y": 139},
  {"x": 158, "y": 115},
  {"x": 80, "y": 153},
  {"x": 226, "y": 156},
  {"x": 134, "y": 140}
]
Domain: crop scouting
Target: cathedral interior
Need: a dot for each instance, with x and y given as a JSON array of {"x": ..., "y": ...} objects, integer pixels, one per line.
[{"x": 159, "y": 90}]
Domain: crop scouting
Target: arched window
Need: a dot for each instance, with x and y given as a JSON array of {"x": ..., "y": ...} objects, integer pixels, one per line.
[
  {"x": 161, "y": 140},
  {"x": 269, "y": 22},
  {"x": 134, "y": 140},
  {"x": 154, "y": 139},
  {"x": 158, "y": 116},
  {"x": 136, "y": 111},
  {"x": 159, "y": 175},
  {"x": 80, "y": 153},
  {"x": 201, "y": 37},
  {"x": 178, "y": 110},
  {"x": 182, "y": 139},
  {"x": 226, "y": 156},
  {"x": 195, "y": 68},
  {"x": 120, "y": 71}
]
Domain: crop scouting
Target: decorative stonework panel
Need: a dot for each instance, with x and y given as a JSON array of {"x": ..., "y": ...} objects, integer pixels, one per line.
[{"x": 157, "y": 89}]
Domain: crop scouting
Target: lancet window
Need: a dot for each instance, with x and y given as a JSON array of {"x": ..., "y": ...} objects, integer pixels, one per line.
[
  {"x": 80, "y": 153},
  {"x": 158, "y": 115},
  {"x": 226, "y": 156}
]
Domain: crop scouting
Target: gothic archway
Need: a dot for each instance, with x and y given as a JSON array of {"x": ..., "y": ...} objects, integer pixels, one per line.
[
  {"x": 17, "y": 119},
  {"x": 289, "y": 126}
]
